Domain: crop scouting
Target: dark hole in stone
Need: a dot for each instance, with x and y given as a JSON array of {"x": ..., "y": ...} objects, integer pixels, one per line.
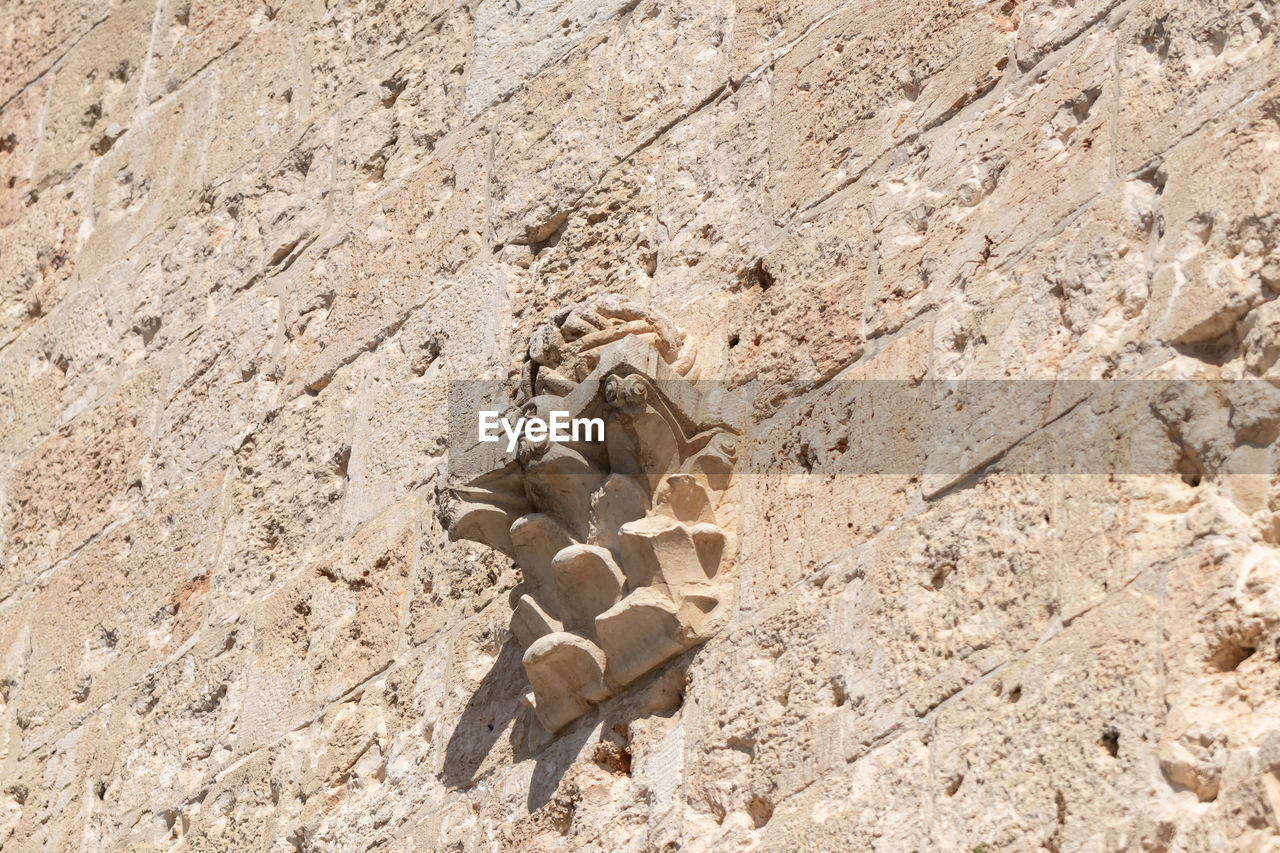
[
  {"x": 1111, "y": 742},
  {"x": 1230, "y": 655}
]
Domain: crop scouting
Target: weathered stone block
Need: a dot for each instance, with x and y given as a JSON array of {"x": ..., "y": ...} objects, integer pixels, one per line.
[
  {"x": 868, "y": 80},
  {"x": 189, "y": 36},
  {"x": 400, "y": 423},
  {"x": 20, "y": 124},
  {"x": 115, "y": 610},
  {"x": 544, "y": 145},
  {"x": 944, "y": 213},
  {"x": 329, "y": 628},
  {"x": 358, "y": 286},
  {"x": 39, "y": 35},
  {"x": 72, "y": 485},
  {"x": 711, "y": 202},
  {"x": 1181, "y": 64},
  {"x": 646, "y": 96},
  {"x": 40, "y": 248},
  {"x": 95, "y": 91},
  {"x": 285, "y": 495},
  {"x": 1075, "y": 748},
  {"x": 392, "y": 106},
  {"x": 515, "y": 42}
]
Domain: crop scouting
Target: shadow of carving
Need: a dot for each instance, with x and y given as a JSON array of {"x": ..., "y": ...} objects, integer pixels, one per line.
[{"x": 495, "y": 703}]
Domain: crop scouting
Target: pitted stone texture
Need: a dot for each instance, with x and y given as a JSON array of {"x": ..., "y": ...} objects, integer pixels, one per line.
[{"x": 246, "y": 247}]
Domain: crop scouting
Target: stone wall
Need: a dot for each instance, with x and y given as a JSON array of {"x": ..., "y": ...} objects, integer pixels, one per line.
[{"x": 245, "y": 247}]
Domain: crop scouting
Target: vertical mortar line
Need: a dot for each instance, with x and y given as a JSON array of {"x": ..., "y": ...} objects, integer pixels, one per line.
[
  {"x": 495, "y": 121},
  {"x": 415, "y": 563},
  {"x": 147, "y": 63},
  {"x": 1059, "y": 517},
  {"x": 1115, "y": 103},
  {"x": 44, "y": 121}
]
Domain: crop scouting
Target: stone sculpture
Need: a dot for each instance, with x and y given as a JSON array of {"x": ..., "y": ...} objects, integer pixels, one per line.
[{"x": 626, "y": 546}]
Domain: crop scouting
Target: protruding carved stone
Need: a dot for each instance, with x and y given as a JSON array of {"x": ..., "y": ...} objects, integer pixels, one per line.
[{"x": 625, "y": 545}]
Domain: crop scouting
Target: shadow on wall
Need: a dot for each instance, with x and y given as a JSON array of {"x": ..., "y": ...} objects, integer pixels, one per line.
[{"x": 496, "y": 703}]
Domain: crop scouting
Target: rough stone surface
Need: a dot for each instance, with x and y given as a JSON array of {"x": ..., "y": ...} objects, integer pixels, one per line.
[{"x": 246, "y": 247}]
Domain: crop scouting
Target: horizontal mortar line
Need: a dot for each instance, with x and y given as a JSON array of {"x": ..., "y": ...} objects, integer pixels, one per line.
[
  {"x": 577, "y": 201},
  {"x": 980, "y": 471},
  {"x": 35, "y": 585},
  {"x": 974, "y": 475},
  {"x": 1004, "y": 87},
  {"x": 555, "y": 60},
  {"x": 78, "y": 722},
  {"x": 730, "y": 84}
]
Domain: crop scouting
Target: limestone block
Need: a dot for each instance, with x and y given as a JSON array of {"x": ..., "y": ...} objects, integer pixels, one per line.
[
  {"x": 609, "y": 241},
  {"x": 189, "y": 36},
  {"x": 1108, "y": 655},
  {"x": 865, "y": 81},
  {"x": 237, "y": 810},
  {"x": 285, "y": 493},
  {"x": 113, "y": 611},
  {"x": 825, "y": 686},
  {"x": 1072, "y": 308},
  {"x": 20, "y": 123},
  {"x": 67, "y": 361},
  {"x": 227, "y": 369},
  {"x": 168, "y": 739},
  {"x": 766, "y": 714},
  {"x": 764, "y": 30},
  {"x": 276, "y": 82},
  {"x": 1217, "y": 236},
  {"x": 1047, "y": 25},
  {"x": 709, "y": 195},
  {"x": 401, "y": 417},
  {"x": 392, "y": 105},
  {"x": 358, "y": 286},
  {"x": 881, "y": 801},
  {"x": 940, "y": 218},
  {"x": 1119, "y": 490},
  {"x": 545, "y": 143},
  {"x": 835, "y": 468},
  {"x": 75, "y": 483},
  {"x": 160, "y": 166},
  {"x": 796, "y": 315},
  {"x": 245, "y": 235},
  {"x": 40, "y": 34},
  {"x": 333, "y": 625},
  {"x": 95, "y": 91},
  {"x": 516, "y": 42},
  {"x": 1181, "y": 64},
  {"x": 41, "y": 249},
  {"x": 645, "y": 96},
  {"x": 48, "y": 785}
]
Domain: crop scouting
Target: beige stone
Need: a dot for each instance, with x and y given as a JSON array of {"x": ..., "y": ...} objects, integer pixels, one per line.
[{"x": 992, "y": 563}]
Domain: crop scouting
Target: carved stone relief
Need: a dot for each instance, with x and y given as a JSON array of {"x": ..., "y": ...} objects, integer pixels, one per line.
[{"x": 626, "y": 546}]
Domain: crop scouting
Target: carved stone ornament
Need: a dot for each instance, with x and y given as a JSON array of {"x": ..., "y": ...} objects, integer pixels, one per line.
[{"x": 626, "y": 546}]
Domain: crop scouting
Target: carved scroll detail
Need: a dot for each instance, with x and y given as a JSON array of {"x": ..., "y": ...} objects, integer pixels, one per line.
[{"x": 626, "y": 546}]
